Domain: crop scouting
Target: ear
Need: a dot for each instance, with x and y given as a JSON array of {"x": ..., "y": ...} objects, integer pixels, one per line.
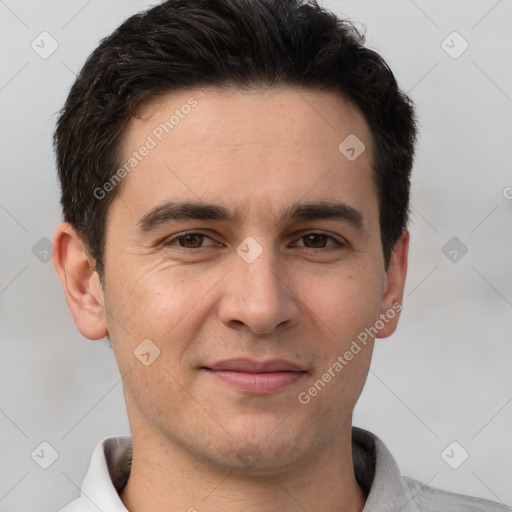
[
  {"x": 81, "y": 283},
  {"x": 394, "y": 284}
]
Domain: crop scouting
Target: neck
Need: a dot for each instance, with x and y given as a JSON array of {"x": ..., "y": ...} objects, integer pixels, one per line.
[{"x": 166, "y": 477}]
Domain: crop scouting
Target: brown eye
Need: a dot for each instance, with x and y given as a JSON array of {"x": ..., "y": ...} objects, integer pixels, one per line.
[
  {"x": 318, "y": 241},
  {"x": 188, "y": 241},
  {"x": 191, "y": 241},
  {"x": 315, "y": 240}
]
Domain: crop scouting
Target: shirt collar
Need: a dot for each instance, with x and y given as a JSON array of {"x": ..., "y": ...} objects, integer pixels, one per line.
[
  {"x": 375, "y": 468},
  {"x": 379, "y": 476},
  {"x": 110, "y": 460}
]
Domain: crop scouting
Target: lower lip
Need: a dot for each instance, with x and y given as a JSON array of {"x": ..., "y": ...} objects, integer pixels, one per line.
[{"x": 258, "y": 382}]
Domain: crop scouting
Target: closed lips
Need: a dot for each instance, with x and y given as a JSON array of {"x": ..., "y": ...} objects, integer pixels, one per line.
[
  {"x": 256, "y": 377},
  {"x": 252, "y": 366}
]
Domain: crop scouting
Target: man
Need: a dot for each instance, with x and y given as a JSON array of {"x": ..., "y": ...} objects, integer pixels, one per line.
[{"x": 235, "y": 187}]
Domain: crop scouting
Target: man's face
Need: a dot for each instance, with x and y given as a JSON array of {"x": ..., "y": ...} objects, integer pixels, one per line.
[{"x": 300, "y": 289}]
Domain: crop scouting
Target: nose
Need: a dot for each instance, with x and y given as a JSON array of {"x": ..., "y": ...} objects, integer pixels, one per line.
[{"x": 259, "y": 295}]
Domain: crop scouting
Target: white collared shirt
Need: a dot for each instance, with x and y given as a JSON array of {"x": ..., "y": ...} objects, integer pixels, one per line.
[{"x": 376, "y": 472}]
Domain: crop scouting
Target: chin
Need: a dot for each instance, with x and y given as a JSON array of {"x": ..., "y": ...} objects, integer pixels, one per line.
[
  {"x": 262, "y": 446},
  {"x": 259, "y": 458}
]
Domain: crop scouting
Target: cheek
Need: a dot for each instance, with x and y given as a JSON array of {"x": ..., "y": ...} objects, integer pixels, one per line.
[
  {"x": 344, "y": 302},
  {"x": 343, "y": 307},
  {"x": 150, "y": 303},
  {"x": 153, "y": 301}
]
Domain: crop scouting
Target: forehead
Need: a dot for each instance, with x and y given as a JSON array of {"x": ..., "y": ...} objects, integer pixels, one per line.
[
  {"x": 223, "y": 117},
  {"x": 247, "y": 149}
]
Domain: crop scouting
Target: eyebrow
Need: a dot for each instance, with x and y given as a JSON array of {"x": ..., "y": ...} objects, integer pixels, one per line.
[{"x": 175, "y": 211}]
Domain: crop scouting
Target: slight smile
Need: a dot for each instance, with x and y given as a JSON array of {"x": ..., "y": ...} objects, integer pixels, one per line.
[{"x": 260, "y": 377}]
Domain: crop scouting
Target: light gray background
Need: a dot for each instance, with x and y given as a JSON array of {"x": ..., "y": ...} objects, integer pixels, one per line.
[{"x": 444, "y": 376}]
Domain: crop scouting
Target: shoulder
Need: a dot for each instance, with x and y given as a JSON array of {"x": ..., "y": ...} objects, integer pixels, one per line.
[{"x": 428, "y": 499}]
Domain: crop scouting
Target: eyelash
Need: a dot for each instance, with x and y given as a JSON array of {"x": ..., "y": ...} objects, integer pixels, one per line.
[{"x": 169, "y": 243}]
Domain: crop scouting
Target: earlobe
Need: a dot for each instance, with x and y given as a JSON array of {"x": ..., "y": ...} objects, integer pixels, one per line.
[
  {"x": 394, "y": 283},
  {"x": 80, "y": 282}
]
